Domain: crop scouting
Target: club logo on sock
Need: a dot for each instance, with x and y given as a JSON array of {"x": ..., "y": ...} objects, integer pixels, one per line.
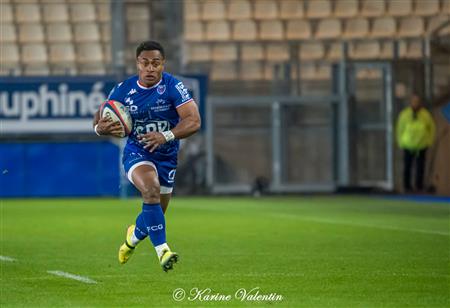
[{"x": 155, "y": 228}]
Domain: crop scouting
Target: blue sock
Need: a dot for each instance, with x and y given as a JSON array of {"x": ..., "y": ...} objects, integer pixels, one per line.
[
  {"x": 141, "y": 229},
  {"x": 151, "y": 222}
]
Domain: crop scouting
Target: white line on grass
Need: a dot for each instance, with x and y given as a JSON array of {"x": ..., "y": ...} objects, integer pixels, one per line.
[
  {"x": 342, "y": 222},
  {"x": 7, "y": 259},
  {"x": 72, "y": 276}
]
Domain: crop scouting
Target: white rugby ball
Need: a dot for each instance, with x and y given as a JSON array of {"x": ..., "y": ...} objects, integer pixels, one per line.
[{"x": 117, "y": 112}]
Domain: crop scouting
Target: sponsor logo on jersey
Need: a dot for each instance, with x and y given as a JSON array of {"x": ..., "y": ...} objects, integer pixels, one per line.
[
  {"x": 132, "y": 91},
  {"x": 161, "y": 89},
  {"x": 160, "y": 106},
  {"x": 129, "y": 101},
  {"x": 183, "y": 91}
]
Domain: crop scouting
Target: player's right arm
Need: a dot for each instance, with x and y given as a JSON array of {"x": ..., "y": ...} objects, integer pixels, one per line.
[{"x": 104, "y": 126}]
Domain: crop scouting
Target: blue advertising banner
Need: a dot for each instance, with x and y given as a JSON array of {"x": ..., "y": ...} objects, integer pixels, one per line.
[
  {"x": 51, "y": 105},
  {"x": 63, "y": 104}
]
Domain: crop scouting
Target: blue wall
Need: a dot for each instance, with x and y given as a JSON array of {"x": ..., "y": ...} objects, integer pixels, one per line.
[{"x": 59, "y": 169}]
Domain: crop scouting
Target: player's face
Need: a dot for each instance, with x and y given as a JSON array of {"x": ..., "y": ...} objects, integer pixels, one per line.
[{"x": 150, "y": 65}]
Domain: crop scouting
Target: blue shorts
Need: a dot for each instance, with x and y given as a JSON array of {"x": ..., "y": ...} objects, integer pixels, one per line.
[{"x": 165, "y": 168}]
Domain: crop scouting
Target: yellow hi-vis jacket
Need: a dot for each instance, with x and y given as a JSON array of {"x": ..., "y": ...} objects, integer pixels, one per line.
[{"x": 415, "y": 133}]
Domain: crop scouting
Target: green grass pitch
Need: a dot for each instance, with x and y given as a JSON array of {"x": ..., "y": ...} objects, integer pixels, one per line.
[{"x": 327, "y": 251}]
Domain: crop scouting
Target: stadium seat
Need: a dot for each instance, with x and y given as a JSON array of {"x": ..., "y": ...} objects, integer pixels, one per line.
[
  {"x": 8, "y": 33},
  {"x": 364, "y": 50},
  {"x": 399, "y": 7},
  {"x": 103, "y": 12},
  {"x": 224, "y": 71},
  {"x": 368, "y": 73},
  {"x": 356, "y": 28},
  {"x": 55, "y": 12},
  {"x": 86, "y": 32},
  {"x": 445, "y": 7},
  {"x": 34, "y": 54},
  {"x": 138, "y": 31},
  {"x": 239, "y": 9},
  {"x": 6, "y": 13},
  {"x": 62, "y": 54},
  {"x": 410, "y": 50},
  {"x": 218, "y": 31},
  {"x": 105, "y": 31},
  {"x": 191, "y": 10},
  {"x": 59, "y": 32},
  {"x": 307, "y": 71},
  {"x": 31, "y": 33},
  {"x": 89, "y": 53},
  {"x": 415, "y": 50},
  {"x": 277, "y": 52},
  {"x": 63, "y": 70},
  {"x": 36, "y": 70},
  {"x": 370, "y": 8},
  {"x": 224, "y": 52},
  {"x": 328, "y": 28},
  {"x": 383, "y": 27},
  {"x": 265, "y": 9},
  {"x": 271, "y": 30},
  {"x": 97, "y": 69},
  {"x": 82, "y": 12},
  {"x": 318, "y": 9},
  {"x": 198, "y": 52},
  {"x": 252, "y": 70},
  {"x": 386, "y": 50},
  {"x": 213, "y": 10},
  {"x": 244, "y": 30},
  {"x": 10, "y": 55},
  {"x": 298, "y": 30},
  {"x": 426, "y": 8},
  {"x": 323, "y": 71},
  {"x": 334, "y": 52},
  {"x": 411, "y": 27},
  {"x": 252, "y": 52},
  {"x": 311, "y": 51},
  {"x": 193, "y": 31},
  {"x": 23, "y": 1},
  {"x": 136, "y": 12},
  {"x": 435, "y": 22},
  {"x": 28, "y": 13},
  {"x": 268, "y": 73},
  {"x": 291, "y": 9},
  {"x": 346, "y": 8}
]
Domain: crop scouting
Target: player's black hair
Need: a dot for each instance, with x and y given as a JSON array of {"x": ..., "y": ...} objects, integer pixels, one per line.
[{"x": 150, "y": 45}]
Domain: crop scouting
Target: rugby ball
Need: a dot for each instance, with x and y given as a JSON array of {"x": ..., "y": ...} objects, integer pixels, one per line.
[{"x": 117, "y": 112}]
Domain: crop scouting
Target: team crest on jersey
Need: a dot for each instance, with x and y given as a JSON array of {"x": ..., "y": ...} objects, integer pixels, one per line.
[{"x": 161, "y": 89}]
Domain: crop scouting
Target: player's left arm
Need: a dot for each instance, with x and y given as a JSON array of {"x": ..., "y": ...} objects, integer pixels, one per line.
[
  {"x": 189, "y": 124},
  {"x": 189, "y": 121}
]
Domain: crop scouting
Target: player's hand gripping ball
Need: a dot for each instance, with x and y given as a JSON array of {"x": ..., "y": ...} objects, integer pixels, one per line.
[{"x": 115, "y": 119}]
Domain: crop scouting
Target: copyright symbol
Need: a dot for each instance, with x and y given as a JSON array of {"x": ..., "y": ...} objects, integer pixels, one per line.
[{"x": 178, "y": 294}]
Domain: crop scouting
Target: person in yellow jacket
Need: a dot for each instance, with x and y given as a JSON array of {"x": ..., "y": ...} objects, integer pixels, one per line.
[{"x": 415, "y": 132}]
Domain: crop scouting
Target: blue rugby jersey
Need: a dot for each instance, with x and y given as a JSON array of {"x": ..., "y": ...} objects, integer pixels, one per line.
[{"x": 152, "y": 109}]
